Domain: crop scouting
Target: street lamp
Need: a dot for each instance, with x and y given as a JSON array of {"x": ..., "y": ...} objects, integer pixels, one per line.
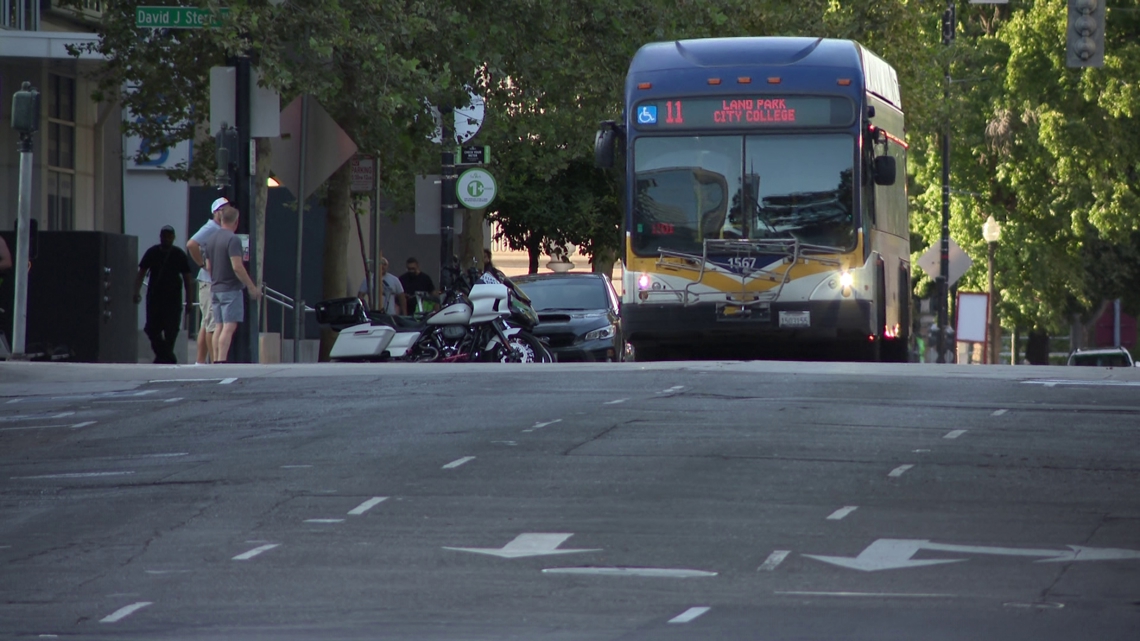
[{"x": 991, "y": 232}]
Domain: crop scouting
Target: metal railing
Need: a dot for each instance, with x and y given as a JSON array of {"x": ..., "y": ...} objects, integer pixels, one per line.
[{"x": 284, "y": 302}]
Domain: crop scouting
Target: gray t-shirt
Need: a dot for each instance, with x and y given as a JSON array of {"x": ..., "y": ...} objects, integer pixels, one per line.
[
  {"x": 202, "y": 237},
  {"x": 223, "y": 245}
]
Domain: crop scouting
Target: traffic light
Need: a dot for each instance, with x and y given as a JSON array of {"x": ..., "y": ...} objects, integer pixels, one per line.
[
  {"x": 225, "y": 154},
  {"x": 948, "y": 19},
  {"x": 1085, "y": 37},
  {"x": 26, "y": 110}
]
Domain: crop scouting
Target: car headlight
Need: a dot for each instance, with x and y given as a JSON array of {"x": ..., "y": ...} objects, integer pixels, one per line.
[{"x": 600, "y": 334}]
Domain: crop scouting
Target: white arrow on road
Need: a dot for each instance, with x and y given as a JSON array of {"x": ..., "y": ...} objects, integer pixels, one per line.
[
  {"x": 528, "y": 544},
  {"x": 892, "y": 554}
]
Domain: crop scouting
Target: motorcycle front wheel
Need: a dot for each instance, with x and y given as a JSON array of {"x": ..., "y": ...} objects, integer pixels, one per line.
[{"x": 525, "y": 348}]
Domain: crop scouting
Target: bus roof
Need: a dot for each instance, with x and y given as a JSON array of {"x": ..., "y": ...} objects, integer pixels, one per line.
[{"x": 878, "y": 77}]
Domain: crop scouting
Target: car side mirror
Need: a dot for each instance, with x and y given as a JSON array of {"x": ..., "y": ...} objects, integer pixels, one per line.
[
  {"x": 885, "y": 170},
  {"x": 604, "y": 142}
]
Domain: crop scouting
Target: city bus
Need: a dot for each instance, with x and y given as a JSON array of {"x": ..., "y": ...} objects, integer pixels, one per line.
[{"x": 765, "y": 200}]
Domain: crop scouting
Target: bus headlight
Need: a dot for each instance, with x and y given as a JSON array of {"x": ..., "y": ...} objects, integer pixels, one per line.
[
  {"x": 643, "y": 282},
  {"x": 845, "y": 281}
]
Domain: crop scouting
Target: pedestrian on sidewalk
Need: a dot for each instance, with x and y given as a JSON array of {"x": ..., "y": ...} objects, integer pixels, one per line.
[
  {"x": 169, "y": 271},
  {"x": 228, "y": 277},
  {"x": 194, "y": 246}
]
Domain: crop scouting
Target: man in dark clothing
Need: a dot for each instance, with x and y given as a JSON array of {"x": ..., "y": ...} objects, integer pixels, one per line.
[
  {"x": 414, "y": 282},
  {"x": 169, "y": 270}
]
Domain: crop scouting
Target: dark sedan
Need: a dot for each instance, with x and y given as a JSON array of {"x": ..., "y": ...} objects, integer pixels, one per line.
[{"x": 579, "y": 315}]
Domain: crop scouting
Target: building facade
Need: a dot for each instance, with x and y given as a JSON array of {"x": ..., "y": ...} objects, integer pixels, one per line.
[{"x": 77, "y": 172}]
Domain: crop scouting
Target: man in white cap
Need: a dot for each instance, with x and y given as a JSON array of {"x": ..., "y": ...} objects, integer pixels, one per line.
[{"x": 195, "y": 246}]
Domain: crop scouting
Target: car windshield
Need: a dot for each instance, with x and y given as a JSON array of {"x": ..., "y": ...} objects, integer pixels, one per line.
[
  {"x": 1111, "y": 359},
  {"x": 692, "y": 188},
  {"x": 566, "y": 294}
]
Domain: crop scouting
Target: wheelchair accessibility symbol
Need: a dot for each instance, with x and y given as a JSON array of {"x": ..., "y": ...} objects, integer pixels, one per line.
[{"x": 647, "y": 115}]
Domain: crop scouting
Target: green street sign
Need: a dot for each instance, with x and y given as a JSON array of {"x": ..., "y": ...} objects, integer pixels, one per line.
[
  {"x": 177, "y": 17},
  {"x": 475, "y": 188}
]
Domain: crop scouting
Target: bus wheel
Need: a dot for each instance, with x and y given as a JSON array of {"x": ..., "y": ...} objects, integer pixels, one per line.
[
  {"x": 895, "y": 350},
  {"x": 867, "y": 351},
  {"x": 646, "y": 352}
]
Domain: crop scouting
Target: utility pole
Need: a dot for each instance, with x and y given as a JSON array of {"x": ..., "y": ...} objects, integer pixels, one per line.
[
  {"x": 26, "y": 121},
  {"x": 447, "y": 199},
  {"x": 245, "y": 344},
  {"x": 298, "y": 291},
  {"x": 948, "y": 25}
]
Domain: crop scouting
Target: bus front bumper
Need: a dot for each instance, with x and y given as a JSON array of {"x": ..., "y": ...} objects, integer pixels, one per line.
[{"x": 710, "y": 323}]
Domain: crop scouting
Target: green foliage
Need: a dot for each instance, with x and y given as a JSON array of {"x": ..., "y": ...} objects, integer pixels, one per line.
[{"x": 1050, "y": 152}]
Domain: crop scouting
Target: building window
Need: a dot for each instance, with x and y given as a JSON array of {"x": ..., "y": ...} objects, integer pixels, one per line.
[
  {"x": 61, "y": 153},
  {"x": 23, "y": 15}
]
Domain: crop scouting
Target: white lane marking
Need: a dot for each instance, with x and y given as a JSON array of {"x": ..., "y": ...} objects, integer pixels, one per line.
[
  {"x": 367, "y": 505},
  {"x": 954, "y": 433},
  {"x": 170, "y": 455},
  {"x": 689, "y": 615},
  {"x": 898, "y": 471},
  {"x": 226, "y": 381},
  {"x": 920, "y": 451},
  {"x": 919, "y": 595},
  {"x": 30, "y": 427},
  {"x": 457, "y": 462},
  {"x": 529, "y": 544},
  {"x": 294, "y": 467},
  {"x": 245, "y": 556},
  {"x": 842, "y": 512},
  {"x": 324, "y": 520},
  {"x": 999, "y": 412},
  {"x": 1054, "y": 383},
  {"x": 661, "y": 573},
  {"x": 124, "y": 612},
  {"x": 1046, "y": 605},
  {"x": 675, "y": 388},
  {"x": 511, "y": 443},
  {"x": 83, "y": 424},
  {"x": 620, "y": 400},
  {"x": 538, "y": 426},
  {"x": 76, "y": 475},
  {"x": 186, "y": 380},
  {"x": 173, "y": 400},
  {"x": 774, "y": 559},
  {"x": 83, "y": 397},
  {"x": 33, "y": 417}
]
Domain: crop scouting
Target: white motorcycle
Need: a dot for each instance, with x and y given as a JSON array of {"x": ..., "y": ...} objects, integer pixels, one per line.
[{"x": 488, "y": 324}]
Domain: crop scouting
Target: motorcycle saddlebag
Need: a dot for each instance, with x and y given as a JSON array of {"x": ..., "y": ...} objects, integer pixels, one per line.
[
  {"x": 362, "y": 342},
  {"x": 342, "y": 312}
]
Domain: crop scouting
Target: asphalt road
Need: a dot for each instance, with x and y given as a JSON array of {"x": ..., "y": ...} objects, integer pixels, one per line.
[{"x": 761, "y": 501}]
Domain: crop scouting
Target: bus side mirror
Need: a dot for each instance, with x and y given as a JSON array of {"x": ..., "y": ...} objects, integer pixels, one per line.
[
  {"x": 604, "y": 142},
  {"x": 885, "y": 170}
]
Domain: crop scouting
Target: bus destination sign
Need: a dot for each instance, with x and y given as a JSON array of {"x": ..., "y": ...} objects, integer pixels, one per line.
[{"x": 745, "y": 111}]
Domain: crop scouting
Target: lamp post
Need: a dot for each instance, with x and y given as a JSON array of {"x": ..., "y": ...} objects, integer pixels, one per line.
[{"x": 991, "y": 232}]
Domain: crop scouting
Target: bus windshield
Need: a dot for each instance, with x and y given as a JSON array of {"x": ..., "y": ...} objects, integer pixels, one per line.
[{"x": 692, "y": 188}]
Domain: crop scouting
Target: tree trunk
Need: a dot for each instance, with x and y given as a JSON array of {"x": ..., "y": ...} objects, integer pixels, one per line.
[
  {"x": 264, "y": 158},
  {"x": 603, "y": 261},
  {"x": 471, "y": 241},
  {"x": 338, "y": 226},
  {"x": 534, "y": 253}
]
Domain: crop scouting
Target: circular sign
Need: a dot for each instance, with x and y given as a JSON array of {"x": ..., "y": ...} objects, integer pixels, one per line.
[{"x": 475, "y": 188}]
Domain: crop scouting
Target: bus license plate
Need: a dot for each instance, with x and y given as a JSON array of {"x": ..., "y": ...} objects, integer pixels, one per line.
[{"x": 795, "y": 319}]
